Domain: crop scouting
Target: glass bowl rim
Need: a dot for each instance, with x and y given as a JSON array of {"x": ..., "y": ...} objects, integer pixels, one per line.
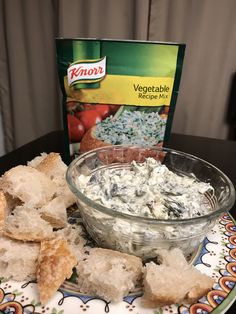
[{"x": 115, "y": 214}]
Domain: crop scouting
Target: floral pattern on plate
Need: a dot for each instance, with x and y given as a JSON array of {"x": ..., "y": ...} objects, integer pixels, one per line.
[{"x": 216, "y": 258}]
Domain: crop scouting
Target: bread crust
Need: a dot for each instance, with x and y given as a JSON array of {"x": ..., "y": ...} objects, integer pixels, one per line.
[
  {"x": 197, "y": 292},
  {"x": 27, "y": 236},
  {"x": 152, "y": 300},
  {"x": 89, "y": 141},
  {"x": 55, "y": 264},
  {"x": 155, "y": 301},
  {"x": 3, "y": 205},
  {"x": 50, "y": 164}
]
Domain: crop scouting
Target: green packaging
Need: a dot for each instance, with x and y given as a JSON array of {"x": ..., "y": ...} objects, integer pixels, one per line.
[{"x": 118, "y": 92}]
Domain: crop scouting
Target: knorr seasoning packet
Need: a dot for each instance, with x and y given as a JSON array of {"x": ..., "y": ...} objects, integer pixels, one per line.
[{"x": 118, "y": 92}]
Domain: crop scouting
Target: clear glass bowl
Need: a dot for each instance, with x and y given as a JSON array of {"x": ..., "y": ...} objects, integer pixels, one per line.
[{"x": 143, "y": 236}]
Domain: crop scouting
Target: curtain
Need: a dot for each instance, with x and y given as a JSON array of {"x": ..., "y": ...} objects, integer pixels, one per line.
[
  {"x": 30, "y": 97},
  {"x": 29, "y": 89},
  {"x": 208, "y": 27},
  {"x": 122, "y": 19}
]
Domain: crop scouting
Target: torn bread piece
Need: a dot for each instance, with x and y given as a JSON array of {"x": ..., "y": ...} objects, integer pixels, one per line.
[
  {"x": 108, "y": 274},
  {"x": 7, "y": 204},
  {"x": 18, "y": 259},
  {"x": 35, "y": 162},
  {"x": 63, "y": 190},
  {"x": 28, "y": 184},
  {"x": 74, "y": 236},
  {"x": 27, "y": 225},
  {"x": 12, "y": 202},
  {"x": 188, "y": 284},
  {"x": 55, "y": 212},
  {"x": 54, "y": 168},
  {"x": 55, "y": 264}
]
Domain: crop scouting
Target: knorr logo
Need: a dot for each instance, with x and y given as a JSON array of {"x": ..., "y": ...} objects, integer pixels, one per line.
[{"x": 88, "y": 71}]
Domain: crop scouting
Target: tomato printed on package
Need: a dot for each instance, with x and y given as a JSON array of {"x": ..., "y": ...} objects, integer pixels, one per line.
[
  {"x": 76, "y": 128},
  {"x": 89, "y": 118}
]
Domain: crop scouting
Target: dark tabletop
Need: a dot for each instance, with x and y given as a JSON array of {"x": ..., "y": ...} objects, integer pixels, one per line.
[{"x": 220, "y": 153}]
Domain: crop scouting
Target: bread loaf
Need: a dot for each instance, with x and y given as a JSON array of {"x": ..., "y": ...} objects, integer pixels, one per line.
[{"x": 89, "y": 141}]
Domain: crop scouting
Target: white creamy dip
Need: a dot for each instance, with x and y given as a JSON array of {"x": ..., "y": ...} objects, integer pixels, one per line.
[
  {"x": 132, "y": 128},
  {"x": 147, "y": 189}
]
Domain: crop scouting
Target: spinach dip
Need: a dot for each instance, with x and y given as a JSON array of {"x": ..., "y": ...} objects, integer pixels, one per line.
[
  {"x": 133, "y": 128},
  {"x": 148, "y": 189}
]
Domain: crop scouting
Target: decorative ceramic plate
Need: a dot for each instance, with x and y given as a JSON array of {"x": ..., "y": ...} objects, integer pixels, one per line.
[{"x": 216, "y": 258}]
